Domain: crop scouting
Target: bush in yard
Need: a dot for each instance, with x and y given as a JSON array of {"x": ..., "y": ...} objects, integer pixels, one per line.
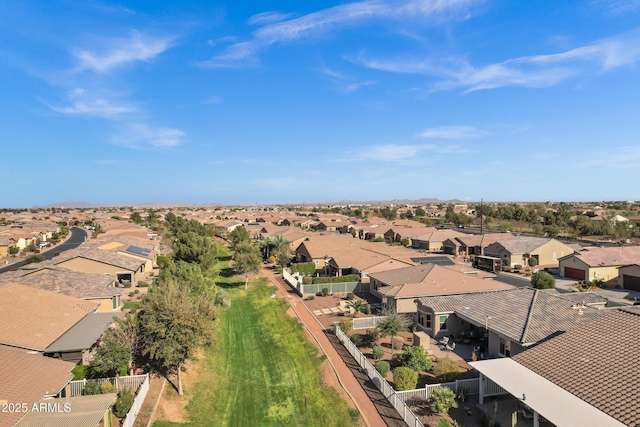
[
  {"x": 143, "y": 284},
  {"x": 325, "y": 292},
  {"x": 397, "y": 343},
  {"x": 543, "y": 280},
  {"x": 311, "y": 297},
  {"x": 359, "y": 340},
  {"x": 443, "y": 398},
  {"x": 533, "y": 262},
  {"x": 106, "y": 387},
  {"x": 123, "y": 403},
  {"x": 350, "y": 296},
  {"x": 92, "y": 387},
  {"x": 306, "y": 280},
  {"x": 405, "y": 378},
  {"x": 383, "y": 368},
  {"x": 337, "y": 279},
  {"x": 415, "y": 357},
  {"x": 378, "y": 352},
  {"x": 366, "y": 309},
  {"x": 443, "y": 423},
  {"x": 304, "y": 268},
  {"x": 346, "y": 325},
  {"x": 318, "y": 294},
  {"x": 271, "y": 260},
  {"x": 373, "y": 334},
  {"x": 162, "y": 261},
  {"x": 446, "y": 369}
]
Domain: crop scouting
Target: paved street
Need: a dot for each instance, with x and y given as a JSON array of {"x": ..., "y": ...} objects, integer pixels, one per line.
[{"x": 76, "y": 239}]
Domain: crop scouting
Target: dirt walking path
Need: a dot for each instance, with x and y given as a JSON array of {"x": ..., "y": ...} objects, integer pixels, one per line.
[{"x": 350, "y": 384}]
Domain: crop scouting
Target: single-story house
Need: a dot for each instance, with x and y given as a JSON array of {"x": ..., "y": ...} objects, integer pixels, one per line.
[
  {"x": 472, "y": 244},
  {"x": 511, "y": 320},
  {"x": 598, "y": 263},
  {"x": 433, "y": 241},
  {"x": 587, "y": 376},
  {"x": 518, "y": 250},
  {"x": 399, "y": 288},
  {"x": 629, "y": 277},
  {"x": 97, "y": 261}
]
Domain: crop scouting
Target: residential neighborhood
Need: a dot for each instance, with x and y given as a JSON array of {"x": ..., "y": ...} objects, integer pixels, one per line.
[{"x": 506, "y": 330}]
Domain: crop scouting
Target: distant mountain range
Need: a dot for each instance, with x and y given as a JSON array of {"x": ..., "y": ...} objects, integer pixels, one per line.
[{"x": 84, "y": 204}]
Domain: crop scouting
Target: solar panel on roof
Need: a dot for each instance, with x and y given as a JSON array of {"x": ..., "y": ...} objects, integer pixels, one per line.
[{"x": 139, "y": 251}]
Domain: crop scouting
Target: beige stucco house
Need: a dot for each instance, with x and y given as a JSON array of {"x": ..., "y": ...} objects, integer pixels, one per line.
[
  {"x": 519, "y": 249},
  {"x": 598, "y": 263}
]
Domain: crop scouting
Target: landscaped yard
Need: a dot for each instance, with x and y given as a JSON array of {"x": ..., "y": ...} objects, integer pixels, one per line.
[{"x": 262, "y": 370}]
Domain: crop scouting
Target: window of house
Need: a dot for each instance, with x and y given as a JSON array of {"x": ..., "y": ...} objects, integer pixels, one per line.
[
  {"x": 427, "y": 321},
  {"x": 505, "y": 347},
  {"x": 443, "y": 322}
]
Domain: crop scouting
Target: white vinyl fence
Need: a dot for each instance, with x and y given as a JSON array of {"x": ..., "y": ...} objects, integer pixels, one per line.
[
  {"x": 295, "y": 281},
  {"x": 131, "y": 416},
  {"x": 385, "y": 388},
  {"x": 76, "y": 388},
  {"x": 467, "y": 387},
  {"x": 367, "y": 322}
]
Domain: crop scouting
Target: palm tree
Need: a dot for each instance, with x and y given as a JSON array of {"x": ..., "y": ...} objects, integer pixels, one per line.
[
  {"x": 393, "y": 324},
  {"x": 357, "y": 305}
]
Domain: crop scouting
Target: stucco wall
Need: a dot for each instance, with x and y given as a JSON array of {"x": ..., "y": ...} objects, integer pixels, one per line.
[{"x": 88, "y": 266}]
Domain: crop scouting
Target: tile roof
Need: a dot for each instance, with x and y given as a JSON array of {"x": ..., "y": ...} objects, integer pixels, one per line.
[
  {"x": 108, "y": 257},
  {"x": 614, "y": 256},
  {"x": 483, "y": 240},
  {"x": 432, "y": 279},
  {"x": 27, "y": 378},
  {"x": 84, "y": 334},
  {"x": 66, "y": 282},
  {"x": 523, "y": 315},
  {"x": 32, "y": 318},
  {"x": 84, "y": 411},
  {"x": 598, "y": 362},
  {"x": 523, "y": 244},
  {"x": 438, "y": 236}
]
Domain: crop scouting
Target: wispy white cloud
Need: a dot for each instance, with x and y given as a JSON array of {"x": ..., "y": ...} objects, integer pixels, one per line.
[
  {"x": 332, "y": 19},
  {"x": 530, "y": 71},
  {"x": 141, "y": 135},
  {"x": 121, "y": 51},
  {"x": 355, "y": 86},
  {"x": 398, "y": 152},
  {"x": 265, "y": 18},
  {"x": 616, "y": 158},
  {"x": 452, "y": 132},
  {"x": 86, "y": 103},
  {"x": 213, "y": 100}
]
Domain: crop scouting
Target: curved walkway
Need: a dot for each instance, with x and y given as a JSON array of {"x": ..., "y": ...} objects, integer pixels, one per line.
[{"x": 350, "y": 384}]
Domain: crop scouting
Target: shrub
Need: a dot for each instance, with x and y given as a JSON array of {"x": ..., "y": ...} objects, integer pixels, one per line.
[
  {"x": 304, "y": 268},
  {"x": 415, "y": 357},
  {"x": 383, "y": 368},
  {"x": 325, "y": 292},
  {"x": 443, "y": 423},
  {"x": 337, "y": 279},
  {"x": 131, "y": 293},
  {"x": 378, "y": 352},
  {"x": 346, "y": 325},
  {"x": 358, "y": 339},
  {"x": 350, "y": 296},
  {"x": 397, "y": 343},
  {"x": 306, "y": 280},
  {"x": 143, "y": 284},
  {"x": 446, "y": 369},
  {"x": 92, "y": 387},
  {"x": 366, "y": 309},
  {"x": 33, "y": 259},
  {"x": 311, "y": 297},
  {"x": 405, "y": 378},
  {"x": 80, "y": 372},
  {"x": 162, "y": 261},
  {"x": 57, "y": 253},
  {"x": 271, "y": 259},
  {"x": 318, "y": 294},
  {"x": 137, "y": 291},
  {"x": 506, "y": 268},
  {"x": 373, "y": 334},
  {"x": 222, "y": 299},
  {"x": 123, "y": 403},
  {"x": 106, "y": 387},
  {"x": 533, "y": 262},
  {"x": 543, "y": 280},
  {"x": 126, "y": 284},
  {"x": 443, "y": 398}
]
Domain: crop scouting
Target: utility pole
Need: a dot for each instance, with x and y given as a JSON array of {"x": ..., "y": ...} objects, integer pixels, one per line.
[{"x": 481, "y": 232}]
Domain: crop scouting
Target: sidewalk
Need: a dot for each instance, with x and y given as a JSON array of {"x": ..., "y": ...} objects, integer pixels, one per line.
[{"x": 350, "y": 384}]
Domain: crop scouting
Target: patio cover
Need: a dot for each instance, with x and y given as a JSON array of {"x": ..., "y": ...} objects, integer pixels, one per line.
[
  {"x": 84, "y": 334},
  {"x": 83, "y": 411},
  {"x": 550, "y": 401}
]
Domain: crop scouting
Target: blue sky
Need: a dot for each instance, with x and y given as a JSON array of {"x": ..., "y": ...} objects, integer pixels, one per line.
[{"x": 244, "y": 102}]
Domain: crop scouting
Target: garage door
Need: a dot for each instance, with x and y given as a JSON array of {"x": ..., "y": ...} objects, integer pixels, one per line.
[
  {"x": 631, "y": 282},
  {"x": 574, "y": 273}
]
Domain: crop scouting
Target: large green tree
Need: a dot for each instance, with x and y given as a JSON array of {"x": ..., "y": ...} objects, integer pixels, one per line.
[
  {"x": 247, "y": 260},
  {"x": 174, "y": 323},
  {"x": 238, "y": 236},
  {"x": 195, "y": 248},
  {"x": 111, "y": 358}
]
